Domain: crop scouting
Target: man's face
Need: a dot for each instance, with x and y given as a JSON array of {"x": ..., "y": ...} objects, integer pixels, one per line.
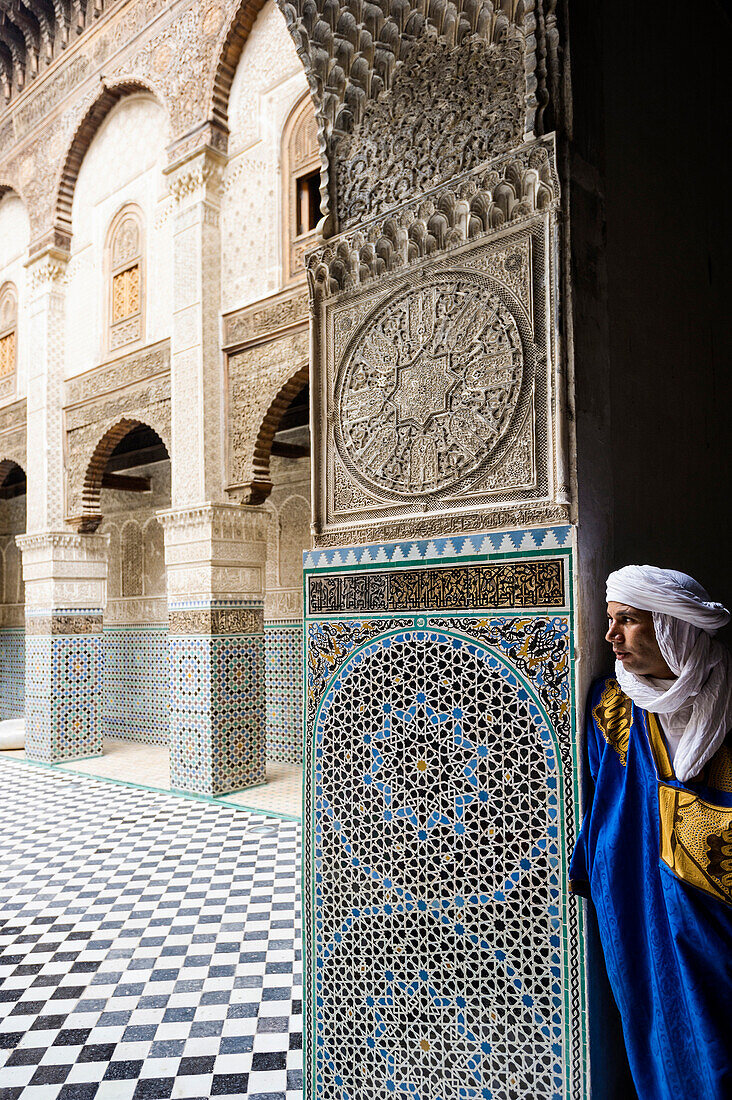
[{"x": 631, "y": 634}]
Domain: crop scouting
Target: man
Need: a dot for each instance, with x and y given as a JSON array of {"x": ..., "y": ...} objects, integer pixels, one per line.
[{"x": 655, "y": 849}]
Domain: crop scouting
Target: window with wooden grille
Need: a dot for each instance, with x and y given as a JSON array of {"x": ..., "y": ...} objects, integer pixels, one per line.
[
  {"x": 125, "y": 264},
  {"x": 8, "y": 338},
  {"x": 301, "y": 173}
]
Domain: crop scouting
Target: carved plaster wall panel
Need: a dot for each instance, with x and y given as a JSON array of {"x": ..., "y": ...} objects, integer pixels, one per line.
[
  {"x": 170, "y": 49},
  {"x": 255, "y": 376},
  {"x": 136, "y": 387},
  {"x": 436, "y": 392},
  {"x": 266, "y": 318},
  {"x": 448, "y": 109},
  {"x": 13, "y": 445}
]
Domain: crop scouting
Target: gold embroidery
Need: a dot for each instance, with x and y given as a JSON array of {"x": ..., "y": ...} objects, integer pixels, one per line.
[
  {"x": 613, "y": 715},
  {"x": 696, "y": 841},
  {"x": 659, "y": 748},
  {"x": 718, "y": 772}
]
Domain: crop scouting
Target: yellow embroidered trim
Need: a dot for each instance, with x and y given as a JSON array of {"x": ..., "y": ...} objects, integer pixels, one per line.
[
  {"x": 718, "y": 772},
  {"x": 614, "y": 714},
  {"x": 696, "y": 841},
  {"x": 659, "y": 748}
]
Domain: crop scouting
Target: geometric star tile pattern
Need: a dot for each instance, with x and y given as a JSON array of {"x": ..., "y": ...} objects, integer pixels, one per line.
[
  {"x": 283, "y": 672},
  {"x": 440, "y": 803},
  {"x": 150, "y": 946}
]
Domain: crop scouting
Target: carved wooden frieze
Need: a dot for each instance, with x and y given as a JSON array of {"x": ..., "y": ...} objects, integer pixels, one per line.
[{"x": 436, "y": 389}]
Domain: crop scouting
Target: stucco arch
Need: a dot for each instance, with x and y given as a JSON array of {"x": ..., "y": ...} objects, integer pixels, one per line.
[
  {"x": 8, "y": 188},
  {"x": 91, "y": 515},
  {"x": 261, "y": 484},
  {"x": 6, "y": 465},
  {"x": 232, "y": 40},
  {"x": 82, "y": 139}
]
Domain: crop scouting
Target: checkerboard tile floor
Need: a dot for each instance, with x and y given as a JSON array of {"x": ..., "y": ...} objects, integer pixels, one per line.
[{"x": 150, "y": 945}]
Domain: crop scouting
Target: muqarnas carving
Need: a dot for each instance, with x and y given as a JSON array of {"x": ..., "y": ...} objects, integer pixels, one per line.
[{"x": 448, "y": 110}]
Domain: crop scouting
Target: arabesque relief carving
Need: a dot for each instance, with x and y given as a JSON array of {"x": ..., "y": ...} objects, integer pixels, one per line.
[
  {"x": 134, "y": 388},
  {"x": 266, "y": 318},
  {"x": 13, "y": 445},
  {"x": 508, "y": 191},
  {"x": 429, "y": 389},
  {"x": 448, "y": 110},
  {"x": 435, "y": 386},
  {"x": 255, "y": 377}
]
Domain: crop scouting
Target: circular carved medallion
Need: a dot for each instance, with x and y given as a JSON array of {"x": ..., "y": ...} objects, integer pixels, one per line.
[{"x": 426, "y": 393}]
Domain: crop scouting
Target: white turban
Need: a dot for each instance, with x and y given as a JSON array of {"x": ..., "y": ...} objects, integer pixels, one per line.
[{"x": 685, "y": 620}]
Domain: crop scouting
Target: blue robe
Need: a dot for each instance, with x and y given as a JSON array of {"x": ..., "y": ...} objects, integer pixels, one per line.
[{"x": 655, "y": 856}]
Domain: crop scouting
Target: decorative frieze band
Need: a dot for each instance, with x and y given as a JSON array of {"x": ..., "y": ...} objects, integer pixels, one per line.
[
  {"x": 502, "y": 192},
  {"x": 13, "y": 416},
  {"x": 267, "y": 319},
  {"x": 417, "y": 528},
  {"x": 118, "y": 374},
  {"x": 63, "y": 624},
  {"x": 466, "y": 587},
  {"x": 215, "y": 621}
]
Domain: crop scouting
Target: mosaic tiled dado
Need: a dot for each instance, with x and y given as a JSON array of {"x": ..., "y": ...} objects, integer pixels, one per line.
[
  {"x": 63, "y": 696},
  {"x": 217, "y": 720},
  {"x": 283, "y": 678},
  {"x": 136, "y": 684},
  {"x": 12, "y": 673},
  {"x": 441, "y": 800}
]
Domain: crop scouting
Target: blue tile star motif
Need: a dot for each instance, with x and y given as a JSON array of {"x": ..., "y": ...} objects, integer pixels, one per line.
[{"x": 412, "y": 753}]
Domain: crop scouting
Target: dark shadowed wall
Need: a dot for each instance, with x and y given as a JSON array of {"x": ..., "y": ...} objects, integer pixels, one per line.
[{"x": 652, "y": 106}]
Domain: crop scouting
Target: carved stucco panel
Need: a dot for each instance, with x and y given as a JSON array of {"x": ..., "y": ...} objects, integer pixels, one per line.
[
  {"x": 266, "y": 318},
  {"x": 118, "y": 374},
  {"x": 13, "y": 446},
  {"x": 429, "y": 388},
  {"x": 173, "y": 57},
  {"x": 255, "y": 377},
  {"x": 435, "y": 396},
  {"x": 448, "y": 109},
  {"x": 87, "y": 425},
  {"x": 186, "y": 428}
]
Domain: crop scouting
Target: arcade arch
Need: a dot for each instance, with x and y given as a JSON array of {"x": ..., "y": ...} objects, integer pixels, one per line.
[
  {"x": 134, "y": 482},
  {"x": 12, "y": 591},
  {"x": 114, "y": 200}
]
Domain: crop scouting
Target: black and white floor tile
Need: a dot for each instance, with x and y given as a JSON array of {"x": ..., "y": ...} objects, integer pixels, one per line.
[{"x": 150, "y": 945}]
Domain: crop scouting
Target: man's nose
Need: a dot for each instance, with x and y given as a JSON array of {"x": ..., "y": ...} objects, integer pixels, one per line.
[{"x": 613, "y": 631}]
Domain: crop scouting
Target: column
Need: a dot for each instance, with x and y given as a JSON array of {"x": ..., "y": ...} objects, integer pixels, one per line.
[
  {"x": 45, "y": 458},
  {"x": 65, "y": 574},
  {"x": 65, "y": 578},
  {"x": 196, "y": 359},
  {"x": 215, "y": 558}
]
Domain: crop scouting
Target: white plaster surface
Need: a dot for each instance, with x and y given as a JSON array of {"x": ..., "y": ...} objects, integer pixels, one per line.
[
  {"x": 268, "y": 83},
  {"x": 123, "y": 165},
  {"x": 14, "y": 239}
]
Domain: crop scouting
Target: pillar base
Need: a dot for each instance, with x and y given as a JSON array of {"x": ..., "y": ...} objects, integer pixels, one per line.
[
  {"x": 63, "y": 680},
  {"x": 65, "y": 586},
  {"x": 217, "y": 720}
]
